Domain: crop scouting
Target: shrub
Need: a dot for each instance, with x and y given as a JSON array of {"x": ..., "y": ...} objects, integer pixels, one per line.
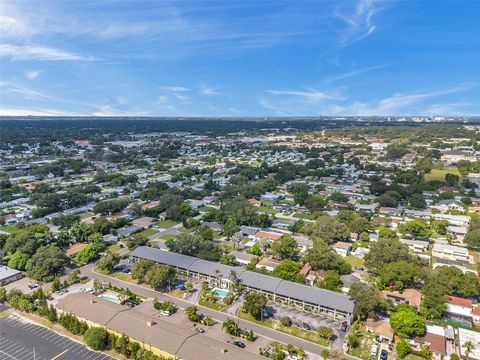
[{"x": 96, "y": 338}]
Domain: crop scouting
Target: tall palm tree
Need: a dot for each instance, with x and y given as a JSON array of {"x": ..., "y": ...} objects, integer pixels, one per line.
[{"x": 469, "y": 347}]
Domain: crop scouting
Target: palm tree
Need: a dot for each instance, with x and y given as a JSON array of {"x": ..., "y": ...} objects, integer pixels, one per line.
[{"x": 469, "y": 347}]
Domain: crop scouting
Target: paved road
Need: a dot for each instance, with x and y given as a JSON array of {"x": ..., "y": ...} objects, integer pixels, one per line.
[
  {"x": 20, "y": 338},
  {"x": 219, "y": 316}
]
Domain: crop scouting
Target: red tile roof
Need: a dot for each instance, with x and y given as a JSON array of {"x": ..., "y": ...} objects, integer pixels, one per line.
[{"x": 460, "y": 301}]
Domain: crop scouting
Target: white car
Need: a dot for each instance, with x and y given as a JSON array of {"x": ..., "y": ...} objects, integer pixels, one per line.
[
  {"x": 165, "y": 313},
  {"x": 89, "y": 290},
  {"x": 374, "y": 350}
]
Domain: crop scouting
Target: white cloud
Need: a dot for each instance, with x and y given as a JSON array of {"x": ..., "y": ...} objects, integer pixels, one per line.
[
  {"x": 14, "y": 27},
  {"x": 310, "y": 94},
  {"x": 397, "y": 104},
  {"x": 355, "y": 72},
  {"x": 359, "y": 22},
  {"x": 6, "y": 111},
  {"x": 29, "y": 52},
  {"x": 456, "y": 108},
  {"x": 108, "y": 110},
  {"x": 123, "y": 30},
  {"x": 206, "y": 90},
  {"x": 175, "y": 88},
  {"x": 32, "y": 74}
]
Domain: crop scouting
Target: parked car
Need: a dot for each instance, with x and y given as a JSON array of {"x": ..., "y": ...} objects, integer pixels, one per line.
[
  {"x": 383, "y": 355},
  {"x": 374, "y": 350},
  {"x": 200, "y": 330},
  {"x": 33, "y": 286},
  {"x": 165, "y": 313},
  {"x": 239, "y": 344},
  {"x": 306, "y": 326},
  {"x": 344, "y": 326}
]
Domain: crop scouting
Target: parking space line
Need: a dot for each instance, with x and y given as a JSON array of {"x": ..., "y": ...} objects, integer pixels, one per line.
[
  {"x": 10, "y": 347},
  {"x": 92, "y": 353},
  {"x": 9, "y": 356},
  {"x": 85, "y": 350}
]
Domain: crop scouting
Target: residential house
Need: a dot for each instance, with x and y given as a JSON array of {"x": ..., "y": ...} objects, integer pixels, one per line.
[
  {"x": 144, "y": 222},
  {"x": 381, "y": 328},
  {"x": 8, "y": 275},
  {"x": 127, "y": 231},
  {"x": 451, "y": 253},
  {"x": 74, "y": 249},
  {"x": 342, "y": 248},
  {"x": 435, "y": 339},
  {"x": 267, "y": 263},
  {"x": 410, "y": 297}
]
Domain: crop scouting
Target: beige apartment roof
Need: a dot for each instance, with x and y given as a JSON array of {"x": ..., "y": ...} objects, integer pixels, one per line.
[{"x": 161, "y": 334}]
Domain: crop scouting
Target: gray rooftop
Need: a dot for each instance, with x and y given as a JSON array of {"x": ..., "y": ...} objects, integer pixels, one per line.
[{"x": 301, "y": 292}]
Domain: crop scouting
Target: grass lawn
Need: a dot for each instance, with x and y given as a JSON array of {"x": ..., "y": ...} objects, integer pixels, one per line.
[
  {"x": 218, "y": 306},
  {"x": 12, "y": 229},
  {"x": 266, "y": 209},
  {"x": 354, "y": 261},
  {"x": 439, "y": 174},
  {"x": 114, "y": 248},
  {"x": 304, "y": 216},
  {"x": 168, "y": 237},
  {"x": 124, "y": 277},
  {"x": 291, "y": 330},
  {"x": 86, "y": 215},
  {"x": 148, "y": 232},
  {"x": 165, "y": 224}
]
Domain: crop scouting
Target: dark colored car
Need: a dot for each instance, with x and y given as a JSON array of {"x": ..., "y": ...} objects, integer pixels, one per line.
[
  {"x": 239, "y": 344},
  {"x": 344, "y": 326},
  {"x": 383, "y": 355},
  {"x": 306, "y": 326}
]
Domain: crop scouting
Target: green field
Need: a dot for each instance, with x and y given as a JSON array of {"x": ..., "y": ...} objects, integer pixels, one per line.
[
  {"x": 148, "y": 232},
  {"x": 168, "y": 237},
  {"x": 165, "y": 224},
  {"x": 354, "y": 261},
  {"x": 266, "y": 209},
  {"x": 439, "y": 174}
]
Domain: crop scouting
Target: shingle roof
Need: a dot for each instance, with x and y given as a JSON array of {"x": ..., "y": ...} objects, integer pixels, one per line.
[{"x": 317, "y": 296}]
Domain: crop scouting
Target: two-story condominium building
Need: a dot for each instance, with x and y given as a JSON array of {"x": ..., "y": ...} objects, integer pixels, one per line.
[{"x": 312, "y": 299}]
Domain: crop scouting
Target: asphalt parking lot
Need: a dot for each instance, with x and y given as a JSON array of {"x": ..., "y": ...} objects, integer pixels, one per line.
[
  {"x": 299, "y": 317},
  {"x": 19, "y": 339}
]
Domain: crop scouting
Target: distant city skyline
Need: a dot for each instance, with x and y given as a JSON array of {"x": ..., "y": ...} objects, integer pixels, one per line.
[{"x": 284, "y": 58}]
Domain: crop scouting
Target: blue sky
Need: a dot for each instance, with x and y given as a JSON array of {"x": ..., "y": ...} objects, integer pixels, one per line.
[{"x": 239, "y": 58}]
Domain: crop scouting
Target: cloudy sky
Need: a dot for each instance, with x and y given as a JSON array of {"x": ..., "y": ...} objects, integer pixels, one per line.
[{"x": 239, "y": 58}]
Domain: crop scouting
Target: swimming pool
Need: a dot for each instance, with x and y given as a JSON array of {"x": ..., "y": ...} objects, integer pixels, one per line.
[
  {"x": 221, "y": 293},
  {"x": 111, "y": 298}
]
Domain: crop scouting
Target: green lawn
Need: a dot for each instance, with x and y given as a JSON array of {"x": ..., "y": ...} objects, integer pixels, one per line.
[
  {"x": 291, "y": 330},
  {"x": 439, "y": 174},
  {"x": 266, "y": 209},
  {"x": 165, "y": 224},
  {"x": 86, "y": 215},
  {"x": 354, "y": 261},
  {"x": 168, "y": 237},
  {"x": 304, "y": 216},
  {"x": 148, "y": 232},
  {"x": 218, "y": 306},
  {"x": 123, "y": 277},
  {"x": 114, "y": 248}
]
